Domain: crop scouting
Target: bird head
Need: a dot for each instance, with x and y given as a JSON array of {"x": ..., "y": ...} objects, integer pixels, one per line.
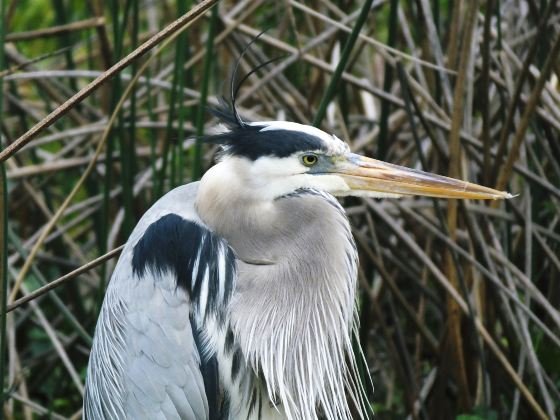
[{"x": 274, "y": 158}]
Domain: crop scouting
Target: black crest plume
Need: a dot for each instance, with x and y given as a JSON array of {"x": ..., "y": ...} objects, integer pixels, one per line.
[
  {"x": 230, "y": 116},
  {"x": 245, "y": 139}
]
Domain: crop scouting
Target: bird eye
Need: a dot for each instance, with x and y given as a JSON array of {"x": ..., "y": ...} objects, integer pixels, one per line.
[{"x": 309, "y": 159}]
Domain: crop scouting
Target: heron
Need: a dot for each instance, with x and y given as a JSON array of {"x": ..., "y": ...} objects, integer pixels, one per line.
[{"x": 235, "y": 296}]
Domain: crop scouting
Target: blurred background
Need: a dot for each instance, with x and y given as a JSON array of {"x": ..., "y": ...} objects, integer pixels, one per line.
[{"x": 458, "y": 301}]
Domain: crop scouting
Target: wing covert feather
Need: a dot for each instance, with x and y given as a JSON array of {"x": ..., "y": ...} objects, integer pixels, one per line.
[{"x": 150, "y": 367}]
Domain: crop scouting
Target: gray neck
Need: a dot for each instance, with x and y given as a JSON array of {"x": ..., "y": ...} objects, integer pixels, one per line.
[
  {"x": 302, "y": 237},
  {"x": 294, "y": 300}
]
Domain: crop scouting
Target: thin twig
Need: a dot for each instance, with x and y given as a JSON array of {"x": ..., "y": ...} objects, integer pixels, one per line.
[
  {"x": 56, "y": 30},
  {"x": 50, "y": 119},
  {"x": 61, "y": 280}
]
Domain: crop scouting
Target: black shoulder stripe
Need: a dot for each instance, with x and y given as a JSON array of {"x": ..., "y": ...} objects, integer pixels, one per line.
[
  {"x": 210, "y": 376},
  {"x": 169, "y": 243},
  {"x": 194, "y": 254}
]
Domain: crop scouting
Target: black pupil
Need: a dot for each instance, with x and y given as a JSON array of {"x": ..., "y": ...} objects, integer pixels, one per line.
[{"x": 310, "y": 159}]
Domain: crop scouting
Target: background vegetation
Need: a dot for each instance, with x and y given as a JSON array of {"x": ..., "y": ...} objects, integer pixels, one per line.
[{"x": 458, "y": 301}]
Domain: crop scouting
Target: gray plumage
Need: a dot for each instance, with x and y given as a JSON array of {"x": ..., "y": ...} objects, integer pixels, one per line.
[
  {"x": 145, "y": 364},
  {"x": 234, "y": 296},
  {"x": 282, "y": 338}
]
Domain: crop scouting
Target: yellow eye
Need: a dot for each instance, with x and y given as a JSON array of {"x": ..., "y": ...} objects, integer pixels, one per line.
[{"x": 309, "y": 159}]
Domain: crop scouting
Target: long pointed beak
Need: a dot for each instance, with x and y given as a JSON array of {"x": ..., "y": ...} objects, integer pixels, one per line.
[{"x": 370, "y": 176}]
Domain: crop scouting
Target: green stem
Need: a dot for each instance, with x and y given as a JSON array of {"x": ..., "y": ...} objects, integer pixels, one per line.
[
  {"x": 65, "y": 40},
  {"x": 128, "y": 143},
  {"x": 16, "y": 243},
  {"x": 331, "y": 89},
  {"x": 382, "y": 144},
  {"x": 169, "y": 126},
  {"x": 197, "y": 156},
  {"x": 3, "y": 273},
  {"x": 3, "y": 225},
  {"x": 153, "y": 134},
  {"x": 177, "y": 179},
  {"x": 117, "y": 135}
]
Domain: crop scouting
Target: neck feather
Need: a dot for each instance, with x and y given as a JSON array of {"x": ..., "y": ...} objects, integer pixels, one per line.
[{"x": 294, "y": 306}]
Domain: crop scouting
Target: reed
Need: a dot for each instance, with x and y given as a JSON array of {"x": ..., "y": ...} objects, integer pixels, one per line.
[{"x": 102, "y": 111}]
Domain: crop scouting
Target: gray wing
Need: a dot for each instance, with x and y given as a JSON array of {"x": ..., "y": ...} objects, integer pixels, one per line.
[
  {"x": 163, "y": 376},
  {"x": 148, "y": 361}
]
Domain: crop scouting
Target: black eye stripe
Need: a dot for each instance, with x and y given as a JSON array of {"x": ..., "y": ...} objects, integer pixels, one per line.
[{"x": 253, "y": 143}]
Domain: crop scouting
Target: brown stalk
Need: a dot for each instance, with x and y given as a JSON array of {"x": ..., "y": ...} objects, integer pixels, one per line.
[
  {"x": 27, "y": 63},
  {"x": 56, "y": 30},
  {"x": 453, "y": 45},
  {"x": 61, "y": 280},
  {"x": 171, "y": 35},
  {"x": 507, "y": 168},
  {"x": 444, "y": 281},
  {"x": 61, "y": 165},
  {"x": 389, "y": 280},
  {"x": 516, "y": 97},
  {"x": 454, "y": 320},
  {"x": 96, "y": 7},
  {"x": 45, "y": 84},
  {"x": 485, "y": 87},
  {"x": 529, "y": 287},
  {"x": 360, "y": 83},
  {"x": 50, "y": 119},
  {"x": 390, "y": 340}
]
